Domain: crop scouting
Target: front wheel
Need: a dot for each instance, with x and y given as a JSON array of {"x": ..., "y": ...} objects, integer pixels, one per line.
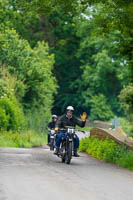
[
  {"x": 62, "y": 152},
  {"x": 69, "y": 153}
]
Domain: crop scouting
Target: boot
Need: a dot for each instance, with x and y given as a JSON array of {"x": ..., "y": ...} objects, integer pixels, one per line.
[
  {"x": 48, "y": 144},
  {"x": 76, "y": 154},
  {"x": 56, "y": 151}
]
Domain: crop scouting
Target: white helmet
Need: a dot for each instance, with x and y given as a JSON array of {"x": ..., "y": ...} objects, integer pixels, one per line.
[
  {"x": 70, "y": 108},
  {"x": 54, "y": 116}
]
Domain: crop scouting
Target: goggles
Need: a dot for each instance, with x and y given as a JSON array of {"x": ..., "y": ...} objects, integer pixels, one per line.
[{"x": 69, "y": 110}]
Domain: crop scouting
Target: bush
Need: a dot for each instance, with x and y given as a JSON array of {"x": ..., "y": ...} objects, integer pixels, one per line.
[
  {"x": 126, "y": 160},
  {"x": 126, "y": 101},
  {"x": 11, "y": 115},
  {"x": 107, "y": 150},
  {"x": 126, "y": 126},
  {"x": 84, "y": 144},
  {"x": 35, "y": 83},
  {"x": 4, "y": 120},
  {"x": 37, "y": 120},
  {"x": 23, "y": 140}
]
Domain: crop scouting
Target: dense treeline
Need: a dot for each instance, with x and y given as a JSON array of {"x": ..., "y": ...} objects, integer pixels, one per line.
[{"x": 83, "y": 46}]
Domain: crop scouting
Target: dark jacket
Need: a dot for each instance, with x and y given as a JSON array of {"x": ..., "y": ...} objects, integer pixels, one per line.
[
  {"x": 65, "y": 121},
  {"x": 51, "y": 125}
]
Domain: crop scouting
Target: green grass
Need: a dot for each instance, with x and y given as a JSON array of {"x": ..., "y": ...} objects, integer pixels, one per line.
[
  {"x": 86, "y": 128},
  {"x": 107, "y": 150},
  {"x": 24, "y": 140}
]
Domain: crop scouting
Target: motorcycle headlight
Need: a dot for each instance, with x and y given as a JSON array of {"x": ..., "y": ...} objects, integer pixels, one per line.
[
  {"x": 52, "y": 132},
  {"x": 70, "y": 130}
]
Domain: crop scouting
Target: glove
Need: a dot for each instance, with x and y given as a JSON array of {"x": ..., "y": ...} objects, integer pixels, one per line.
[
  {"x": 56, "y": 129},
  {"x": 83, "y": 117}
]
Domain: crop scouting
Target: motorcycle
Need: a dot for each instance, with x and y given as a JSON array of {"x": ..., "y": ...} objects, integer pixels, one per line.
[
  {"x": 67, "y": 144},
  {"x": 52, "y": 139}
]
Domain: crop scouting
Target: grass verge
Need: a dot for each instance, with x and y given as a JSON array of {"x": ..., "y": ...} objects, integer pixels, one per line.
[
  {"x": 24, "y": 140},
  {"x": 108, "y": 151},
  {"x": 86, "y": 128}
]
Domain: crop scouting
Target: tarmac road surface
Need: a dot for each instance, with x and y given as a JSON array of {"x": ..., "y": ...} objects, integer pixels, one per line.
[{"x": 37, "y": 174}]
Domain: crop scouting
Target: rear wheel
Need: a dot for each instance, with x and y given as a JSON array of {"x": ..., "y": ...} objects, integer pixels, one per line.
[
  {"x": 51, "y": 144},
  {"x": 69, "y": 153}
]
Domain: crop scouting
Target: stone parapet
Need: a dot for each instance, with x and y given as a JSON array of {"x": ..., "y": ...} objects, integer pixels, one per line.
[{"x": 114, "y": 135}]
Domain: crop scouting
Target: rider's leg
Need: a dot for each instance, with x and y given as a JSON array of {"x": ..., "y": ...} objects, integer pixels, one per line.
[
  {"x": 58, "y": 140},
  {"x": 76, "y": 146},
  {"x": 48, "y": 138}
]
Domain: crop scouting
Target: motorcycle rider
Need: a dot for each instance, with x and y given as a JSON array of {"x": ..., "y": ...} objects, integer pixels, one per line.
[
  {"x": 69, "y": 119},
  {"x": 51, "y": 125}
]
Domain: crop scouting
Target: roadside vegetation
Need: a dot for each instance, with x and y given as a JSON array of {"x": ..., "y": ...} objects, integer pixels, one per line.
[
  {"x": 108, "y": 151},
  {"x": 86, "y": 128},
  {"x": 127, "y": 127},
  {"x": 64, "y": 53},
  {"x": 26, "y": 139}
]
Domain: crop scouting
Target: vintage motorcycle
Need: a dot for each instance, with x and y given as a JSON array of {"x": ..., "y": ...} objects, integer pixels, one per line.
[
  {"x": 52, "y": 139},
  {"x": 67, "y": 144}
]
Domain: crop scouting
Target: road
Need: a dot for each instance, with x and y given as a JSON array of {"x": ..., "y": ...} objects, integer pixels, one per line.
[{"x": 37, "y": 174}]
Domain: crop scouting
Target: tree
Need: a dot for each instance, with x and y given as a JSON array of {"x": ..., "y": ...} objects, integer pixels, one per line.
[
  {"x": 104, "y": 68},
  {"x": 35, "y": 83},
  {"x": 90, "y": 38},
  {"x": 126, "y": 101},
  {"x": 11, "y": 112},
  {"x": 100, "y": 110}
]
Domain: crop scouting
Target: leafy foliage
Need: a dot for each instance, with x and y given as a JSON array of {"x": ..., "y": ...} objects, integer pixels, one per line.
[
  {"x": 92, "y": 45},
  {"x": 99, "y": 108},
  {"x": 35, "y": 83},
  {"x": 11, "y": 113},
  {"x": 126, "y": 100},
  {"x": 23, "y": 140},
  {"x": 107, "y": 150},
  {"x": 103, "y": 67},
  {"x": 127, "y": 126},
  {"x": 126, "y": 160}
]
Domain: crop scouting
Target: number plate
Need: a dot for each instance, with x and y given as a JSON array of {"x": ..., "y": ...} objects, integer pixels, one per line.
[
  {"x": 70, "y": 140},
  {"x": 51, "y": 136}
]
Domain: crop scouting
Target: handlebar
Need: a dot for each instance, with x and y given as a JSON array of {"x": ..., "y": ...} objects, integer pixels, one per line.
[
  {"x": 76, "y": 130},
  {"x": 66, "y": 127},
  {"x": 49, "y": 129}
]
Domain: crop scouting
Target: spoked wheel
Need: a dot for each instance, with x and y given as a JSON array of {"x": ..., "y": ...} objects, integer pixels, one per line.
[
  {"x": 63, "y": 156},
  {"x": 69, "y": 153},
  {"x": 52, "y": 145},
  {"x": 62, "y": 152}
]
